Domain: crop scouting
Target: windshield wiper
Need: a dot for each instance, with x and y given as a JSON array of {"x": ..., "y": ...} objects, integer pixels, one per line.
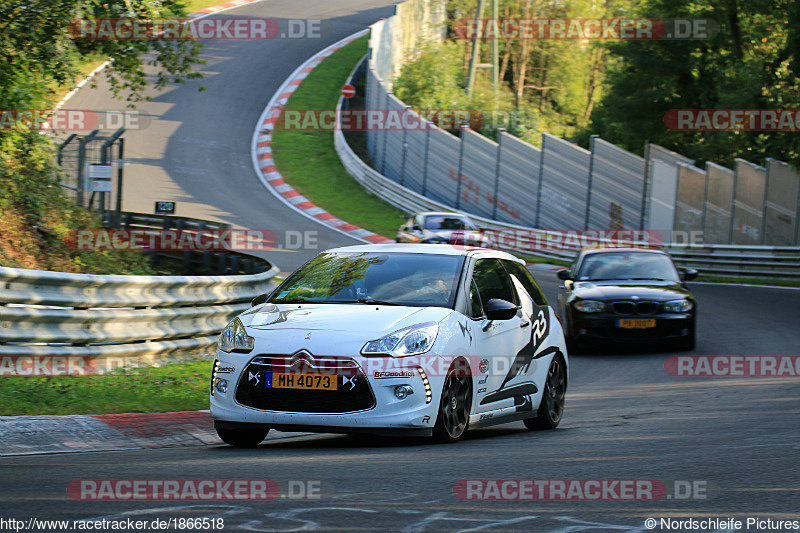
[
  {"x": 648, "y": 279},
  {"x": 372, "y": 301}
]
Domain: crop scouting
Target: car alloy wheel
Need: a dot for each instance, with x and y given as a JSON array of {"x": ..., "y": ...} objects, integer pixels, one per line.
[
  {"x": 454, "y": 406},
  {"x": 552, "y": 407}
]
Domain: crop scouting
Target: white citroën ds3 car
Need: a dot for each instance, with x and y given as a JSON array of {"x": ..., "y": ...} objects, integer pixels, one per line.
[{"x": 392, "y": 339}]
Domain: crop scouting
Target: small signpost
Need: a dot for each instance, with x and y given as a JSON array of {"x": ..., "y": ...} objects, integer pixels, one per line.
[
  {"x": 99, "y": 178},
  {"x": 165, "y": 208},
  {"x": 348, "y": 91}
]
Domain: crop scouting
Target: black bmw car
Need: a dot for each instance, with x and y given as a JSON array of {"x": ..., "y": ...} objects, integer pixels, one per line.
[{"x": 627, "y": 295}]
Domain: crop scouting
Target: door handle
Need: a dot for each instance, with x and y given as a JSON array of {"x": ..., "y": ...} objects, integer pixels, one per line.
[{"x": 525, "y": 324}]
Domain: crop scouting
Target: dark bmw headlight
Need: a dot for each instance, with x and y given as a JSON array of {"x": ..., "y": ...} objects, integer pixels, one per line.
[
  {"x": 589, "y": 306},
  {"x": 678, "y": 306},
  {"x": 234, "y": 338}
]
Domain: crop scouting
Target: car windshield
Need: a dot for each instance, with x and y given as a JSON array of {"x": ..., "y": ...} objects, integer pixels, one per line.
[
  {"x": 417, "y": 280},
  {"x": 627, "y": 266},
  {"x": 444, "y": 222}
]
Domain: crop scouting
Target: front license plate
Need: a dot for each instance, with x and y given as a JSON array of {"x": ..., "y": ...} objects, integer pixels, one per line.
[
  {"x": 301, "y": 381},
  {"x": 636, "y": 323}
]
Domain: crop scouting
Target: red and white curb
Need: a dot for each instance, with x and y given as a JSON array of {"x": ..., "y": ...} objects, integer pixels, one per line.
[
  {"x": 220, "y": 8},
  {"x": 264, "y": 164},
  {"x": 30, "y": 435}
]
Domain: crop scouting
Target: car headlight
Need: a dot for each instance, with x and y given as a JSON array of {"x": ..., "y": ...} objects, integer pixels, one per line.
[
  {"x": 412, "y": 340},
  {"x": 589, "y": 306},
  {"x": 678, "y": 306},
  {"x": 234, "y": 338}
]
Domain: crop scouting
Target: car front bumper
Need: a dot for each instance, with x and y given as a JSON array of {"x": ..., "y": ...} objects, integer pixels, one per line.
[
  {"x": 310, "y": 410},
  {"x": 605, "y": 327}
]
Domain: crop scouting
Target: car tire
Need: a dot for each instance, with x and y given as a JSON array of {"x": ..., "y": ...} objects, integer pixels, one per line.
[
  {"x": 242, "y": 437},
  {"x": 688, "y": 343},
  {"x": 455, "y": 406},
  {"x": 551, "y": 409}
]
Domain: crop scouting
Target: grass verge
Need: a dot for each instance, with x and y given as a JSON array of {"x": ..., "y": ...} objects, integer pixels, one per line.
[
  {"x": 179, "y": 386},
  {"x": 308, "y": 161},
  {"x": 750, "y": 281}
]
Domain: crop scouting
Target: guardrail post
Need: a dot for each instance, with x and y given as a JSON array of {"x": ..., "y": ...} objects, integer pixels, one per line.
[
  {"x": 120, "y": 164},
  {"x": 234, "y": 266},
  {"x": 541, "y": 177},
  {"x": 405, "y": 152},
  {"x": 207, "y": 255},
  {"x": 645, "y": 187},
  {"x": 733, "y": 205},
  {"x": 763, "y": 229},
  {"x": 81, "y": 164},
  {"x": 589, "y": 182},
  {"x": 428, "y": 128},
  {"x": 385, "y": 134},
  {"x": 460, "y": 167},
  {"x": 500, "y": 132}
]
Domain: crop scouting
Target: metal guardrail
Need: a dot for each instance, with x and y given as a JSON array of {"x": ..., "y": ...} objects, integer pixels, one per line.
[
  {"x": 738, "y": 261},
  {"x": 193, "y": 262},
  {"x": 116, "y": 320},
  {"x": 722, "y": 260}
]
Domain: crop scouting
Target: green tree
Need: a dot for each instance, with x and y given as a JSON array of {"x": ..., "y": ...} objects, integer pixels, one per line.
[
  {"x": 36, "y": 48},
  {"x": 751, "y": 64}
]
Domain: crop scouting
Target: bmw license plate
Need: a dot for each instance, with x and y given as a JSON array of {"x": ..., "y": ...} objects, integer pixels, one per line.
[
  {"x": 301, "y": 381},
  {"x": 636, "y": 323}
]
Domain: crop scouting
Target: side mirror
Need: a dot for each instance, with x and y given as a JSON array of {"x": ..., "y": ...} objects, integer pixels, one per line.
[
  {"x": 258, "y": 300},
  {"x": 688, "y": 274},
  {"x": 498, "y": 309},
  {"x": 565, "y": 274}
]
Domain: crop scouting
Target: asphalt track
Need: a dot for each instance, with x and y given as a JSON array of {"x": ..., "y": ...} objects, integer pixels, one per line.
[
  {"x": 626, "y": 418},
  {"x": 193, "y": 147}
]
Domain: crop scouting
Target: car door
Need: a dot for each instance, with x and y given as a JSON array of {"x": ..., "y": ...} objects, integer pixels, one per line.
[{"x": 497, "y": 342}]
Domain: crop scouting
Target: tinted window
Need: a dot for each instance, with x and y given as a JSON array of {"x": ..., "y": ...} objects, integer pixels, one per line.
[
  {"x": 419, "y": 280},
  {"x": 527, "y": 280},
  {"x": 627, "y": 265},
  {"x": 446, "y": 222},
  {"x": 475, "y": 305},
  {"x": 492, "y": 281}
]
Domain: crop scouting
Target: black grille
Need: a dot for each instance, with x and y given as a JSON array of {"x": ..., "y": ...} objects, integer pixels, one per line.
[
  {"x": 252, "y": 391},
  {"x": 645, "y": 308},
  {"x": 623, "y": 308}
]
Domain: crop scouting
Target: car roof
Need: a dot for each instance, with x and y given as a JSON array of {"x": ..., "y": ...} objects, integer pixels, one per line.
[
  {"x": 445, "y": 213},
  {"x": 428, "y": 249},
  {"x": 588, "y": 251}
]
